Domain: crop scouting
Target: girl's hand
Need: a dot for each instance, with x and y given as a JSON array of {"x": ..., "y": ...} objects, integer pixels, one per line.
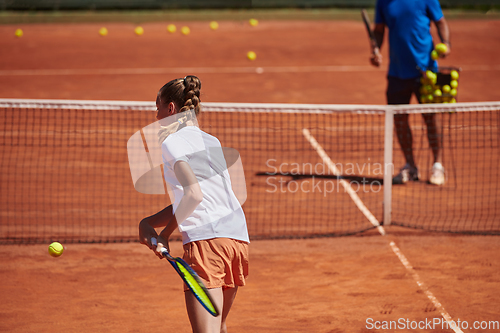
[
  {"x": 158, "y": 244},
  {"x": 146, "y": 232}
]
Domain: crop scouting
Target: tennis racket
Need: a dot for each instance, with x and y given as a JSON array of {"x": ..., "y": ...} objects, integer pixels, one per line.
[
  {"x": 191, "y": 279},
  {"x": 371, "y": 36}
]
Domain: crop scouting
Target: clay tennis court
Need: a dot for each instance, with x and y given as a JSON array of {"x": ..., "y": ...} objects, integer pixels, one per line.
[{"x": 332, "y": 284}]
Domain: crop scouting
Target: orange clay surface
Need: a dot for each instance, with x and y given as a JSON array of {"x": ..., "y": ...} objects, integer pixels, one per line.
[{"x": 343, "y": 284}]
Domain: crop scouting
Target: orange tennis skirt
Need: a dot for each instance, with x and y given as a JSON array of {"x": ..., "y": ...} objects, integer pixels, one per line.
[{"x": 220, "y": 262}]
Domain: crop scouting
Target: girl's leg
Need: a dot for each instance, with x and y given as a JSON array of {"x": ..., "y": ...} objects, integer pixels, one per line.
[
  {"x": 204, "y": 322},
  {"x": 229, "y": 296},
  {"x": 201, "y": 320}
]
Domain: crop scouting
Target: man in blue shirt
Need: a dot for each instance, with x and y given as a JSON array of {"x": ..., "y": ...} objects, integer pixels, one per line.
[{"x": 410, "y": 47}]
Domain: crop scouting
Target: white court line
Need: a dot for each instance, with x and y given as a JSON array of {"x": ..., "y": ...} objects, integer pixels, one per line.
[
  {"x": 142, "y": 71},
  {"x": 326, "y": 159},
  {"x": 423, "y": 287},
  {"x": 213, "y": 70},
  {"x": 347, "y": 186}
]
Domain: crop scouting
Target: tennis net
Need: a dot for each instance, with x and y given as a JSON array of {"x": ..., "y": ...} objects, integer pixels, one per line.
[{"x": 311, "y": 170}]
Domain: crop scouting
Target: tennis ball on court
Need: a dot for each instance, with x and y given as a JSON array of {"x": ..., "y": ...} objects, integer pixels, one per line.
[
  {"x": 171, "y": 28},
  {"x": 253, "y": 22},
  {"x": 56, "y": 249},
  {"x": 454, "y": 75},
  {"x": 185, "y": 30},
  {"x": 103, "y": 31},
  {"x": 251, "y": 55},
  {"x": 453, "y": 92},
  {"x": 139, "y": 31},
  {"x": 214, "y": 25},
  {"x": 446, "y": 88},
  {"x": 454, "y": 84},
  {"x": 441, "y": 48},
  {"x": 18, "y": 33},
  {"x": 434, "y": 55}
]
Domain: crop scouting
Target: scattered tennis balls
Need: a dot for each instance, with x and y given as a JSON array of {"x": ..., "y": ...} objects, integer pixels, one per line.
[
  {"x": 103, "y": 31},
  {"x": 434, "y": 55},
  {"x": 171, "y": 28},
  {"x": 253, "y": 22},
  {"x": 441, "y": 48},
  {"x": 214, "y": 25},
  {"x": 139, "y": 31},
  {"x": 251, "y": 55},
  {"x": 18, "y": 33},
  {"x": 185, "y": 30},
  {"x": 56, "y": 249},
  {"x": 454, "y": 75},
  {"x": 446, "y": 88},
  {"x": 454, "y": 84}
]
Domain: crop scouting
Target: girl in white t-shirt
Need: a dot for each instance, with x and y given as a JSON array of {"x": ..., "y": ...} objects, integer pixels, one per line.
[{"x": 205, "y": 208}]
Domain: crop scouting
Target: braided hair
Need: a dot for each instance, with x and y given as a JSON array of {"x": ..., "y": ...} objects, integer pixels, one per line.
[{"x": 184, "y": 93}]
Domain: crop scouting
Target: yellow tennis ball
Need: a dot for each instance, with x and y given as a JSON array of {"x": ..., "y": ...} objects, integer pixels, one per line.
[
  {"x": 171, "y": 28},
  {"x": 103, "y": 31},
  {"x": 454, "y": 84},
  {"x": 56, "y": 249},
  {"x": 453, "y": 92},
  {"x": 139, "y": 31},
  {"x": 428, "y": 88},
  {"x": 454, "y": 75},
  {"x": 430, "y": 98},
  {"x": 438, "y": 93},
  {"x": 185, "y": 30},
  {"x": 434, "y": 55},
  {"x": 441, "y": 48},
  {"x": 453, "y": 100},
  {"x": 446, "y": 88},
  {"x": 251, "y": 55},
  {"x": 253, "y": 22},
  {"x": 214, "y": 25},
  {"x": 18, "y": 33}
]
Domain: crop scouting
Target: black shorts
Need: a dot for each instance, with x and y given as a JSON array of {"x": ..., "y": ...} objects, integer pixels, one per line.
[{"x": 399, "y": 91}]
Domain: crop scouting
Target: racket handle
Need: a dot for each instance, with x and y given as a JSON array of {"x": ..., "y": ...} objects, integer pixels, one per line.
[{"x": 163, "y": 250}]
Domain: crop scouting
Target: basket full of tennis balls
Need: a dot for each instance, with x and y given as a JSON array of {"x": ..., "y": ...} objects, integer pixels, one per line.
[{"x": 440, "y": 87}]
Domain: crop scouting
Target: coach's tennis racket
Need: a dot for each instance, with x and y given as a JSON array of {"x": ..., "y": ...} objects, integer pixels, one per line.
[
  {"x": 191, "y": 279},
  {"x": 371, "y": 36}
]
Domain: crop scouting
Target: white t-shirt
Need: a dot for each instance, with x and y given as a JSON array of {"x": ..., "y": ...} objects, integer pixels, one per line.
[{"x": 219, "y": 215}]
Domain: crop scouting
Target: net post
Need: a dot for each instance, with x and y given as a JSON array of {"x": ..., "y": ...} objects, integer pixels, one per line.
[{"x": 388, "y": 165}]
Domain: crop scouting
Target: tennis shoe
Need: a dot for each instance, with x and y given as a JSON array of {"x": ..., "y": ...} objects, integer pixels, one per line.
[
  {"x": 438, "y": 176},
  {"x": 406, "y": 174}
]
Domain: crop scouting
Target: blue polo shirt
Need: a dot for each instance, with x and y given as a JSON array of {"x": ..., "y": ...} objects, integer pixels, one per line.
[{"x": 410, "y": 40}]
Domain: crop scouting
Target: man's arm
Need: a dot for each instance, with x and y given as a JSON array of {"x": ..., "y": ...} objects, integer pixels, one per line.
[
  {"x": 444, "y": 34},
  {"x": 378, "y": 32}
]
